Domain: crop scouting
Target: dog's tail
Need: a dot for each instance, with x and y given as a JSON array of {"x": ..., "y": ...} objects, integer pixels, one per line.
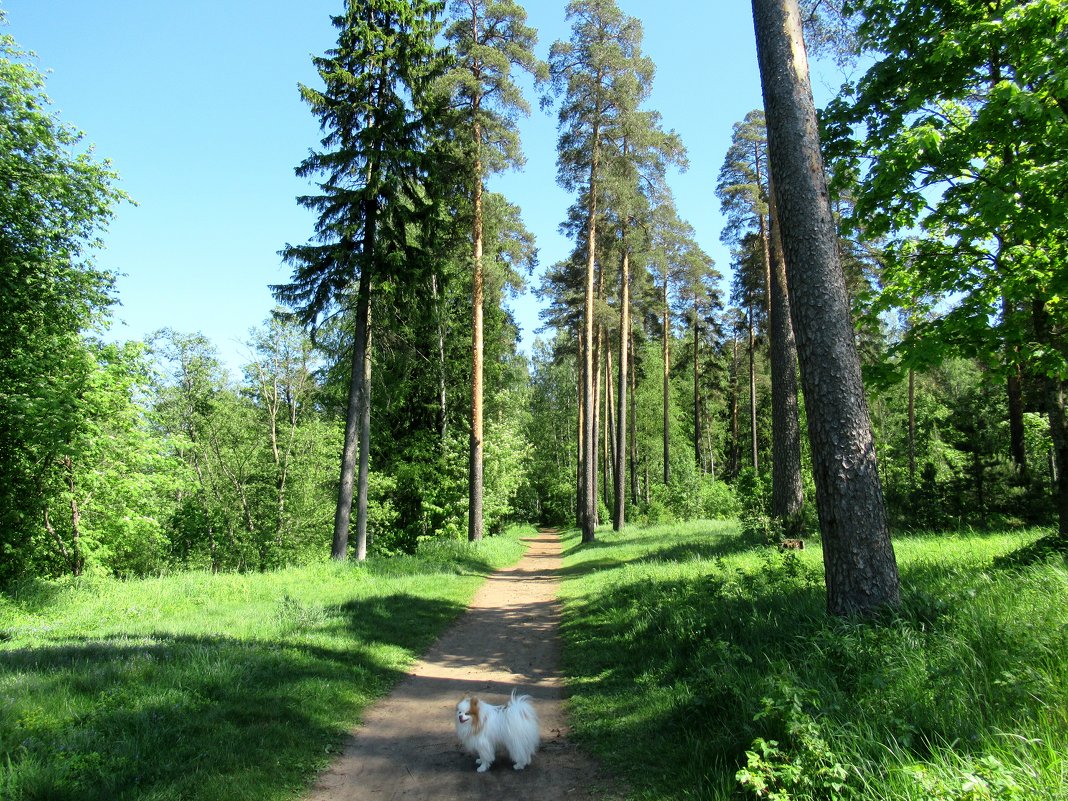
[{"x": 520, "y": 706}]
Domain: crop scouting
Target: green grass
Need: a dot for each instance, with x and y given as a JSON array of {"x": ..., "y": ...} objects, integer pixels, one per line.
[
  {"x": 692, "y": 656},
  {"x": 213, "y": 688}
]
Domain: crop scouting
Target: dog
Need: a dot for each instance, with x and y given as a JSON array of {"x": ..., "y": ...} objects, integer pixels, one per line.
[{"x": 484, "y": 728}]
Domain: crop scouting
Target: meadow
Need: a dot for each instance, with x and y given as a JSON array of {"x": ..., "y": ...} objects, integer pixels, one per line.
[
  {"x": 213, "y": 687},
  {"x": 703, "y": 667}
]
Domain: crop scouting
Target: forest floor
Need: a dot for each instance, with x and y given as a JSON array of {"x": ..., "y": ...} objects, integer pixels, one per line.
[{"x": 406, "y": 747}]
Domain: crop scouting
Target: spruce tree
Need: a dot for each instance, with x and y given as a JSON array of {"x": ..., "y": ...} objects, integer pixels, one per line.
[{"x": 372, "y": 109}]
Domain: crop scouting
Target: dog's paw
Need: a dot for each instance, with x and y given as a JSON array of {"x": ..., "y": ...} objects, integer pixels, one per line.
[
  {"x": 519, "y": 766},
  {"x": 483, "y": 766}
]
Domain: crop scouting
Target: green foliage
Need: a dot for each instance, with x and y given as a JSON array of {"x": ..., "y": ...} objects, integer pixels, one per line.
[
  {"x": 213, "y": 687},
  {"x": 726, "y": 652},
  {"x": 57, "y": 198}
]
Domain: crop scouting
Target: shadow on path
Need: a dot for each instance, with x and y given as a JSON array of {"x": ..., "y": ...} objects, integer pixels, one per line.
[{"x": 406, "y": 747}]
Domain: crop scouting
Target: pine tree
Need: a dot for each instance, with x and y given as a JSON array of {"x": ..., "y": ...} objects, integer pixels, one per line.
[
  {"x": 861, "y": 571},
  {"x": 371, "y": 109},
  {"x": 599, "y": 73},
  {"x": 489, "y": 38}
]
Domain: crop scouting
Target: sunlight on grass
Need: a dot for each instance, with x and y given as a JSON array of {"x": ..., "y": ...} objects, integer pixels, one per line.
[
  {"x": 199, "y": 686},
  {"x": 696, "y": 660}
]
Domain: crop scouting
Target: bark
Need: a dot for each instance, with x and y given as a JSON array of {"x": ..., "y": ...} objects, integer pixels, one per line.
[
  {"x": 860, "y": 568},
  {"x": 633, "y": 424},
  {"x": 475, "y": 480},
  {"x": 752, "y": 394},
  {"x": 697, "y": 389},
  {"x": 357, "y": 413},
  {"x": 666, "y": 347},
  {"x": 787, "y": 489},
  {"x": 619, "y": 513},
  {"x": 589, "y": 466}
]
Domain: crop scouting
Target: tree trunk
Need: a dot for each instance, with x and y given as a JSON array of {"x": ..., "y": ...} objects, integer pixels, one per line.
[
  {"x": 860, "y": 567},
  {"x": 474, "y": 517},
  {"x": 752, "y": 393},
  {"x": 608, "y": 444},
  {"x": 589, "y": 488},
  {"x": 666, "y": 347},
  {"x": 697, "y": 389},
  {"x": 619, "y": 512},
  {"x": 354, "y": 457},
  {"x": 633, "y": 423},
  {"x": 1017, "y": 448},
  {"x": 787, "y": 489}
]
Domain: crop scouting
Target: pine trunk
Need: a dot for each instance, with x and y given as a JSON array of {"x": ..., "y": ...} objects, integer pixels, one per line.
[
  {"x": 619, "y": 513},
  {"x": 860, "y": 568},
  {"x": 787, "y": 489},
  {"x": 589, "y": 458},
  {"x": 474, "y": 517},
  {"x": 666, "y": 347}
]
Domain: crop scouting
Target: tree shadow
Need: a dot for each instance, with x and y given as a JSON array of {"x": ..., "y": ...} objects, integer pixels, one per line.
[{"x": 165, "y": 715}]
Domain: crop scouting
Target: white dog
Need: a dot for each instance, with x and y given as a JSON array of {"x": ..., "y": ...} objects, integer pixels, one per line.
[{"x": 483, "y": 728}]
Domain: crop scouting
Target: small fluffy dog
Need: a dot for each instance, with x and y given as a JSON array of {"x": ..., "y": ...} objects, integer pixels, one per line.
[{"x": 483, "y": 728}]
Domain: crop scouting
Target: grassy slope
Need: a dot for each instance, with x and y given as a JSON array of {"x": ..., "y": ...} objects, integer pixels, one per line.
[
  {"x": 212, "y": 687},
  {"x": 691, "y": 655}
]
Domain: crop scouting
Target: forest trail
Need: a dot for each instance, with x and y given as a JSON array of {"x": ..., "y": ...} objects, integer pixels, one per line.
[{"x": 407, "y": 748}]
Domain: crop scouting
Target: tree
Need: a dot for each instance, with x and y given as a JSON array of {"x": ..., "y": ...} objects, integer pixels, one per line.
[
  {"x": 56, "y": 199},
  {"x": 598, "y": 72},
  {"x": 376, "y": 88},
  {"x": 861, "y": 571},
  {"x": 745, "y": 193},
  {"x": 968, "y": 153},
  {"x": 489, "y": 39}
]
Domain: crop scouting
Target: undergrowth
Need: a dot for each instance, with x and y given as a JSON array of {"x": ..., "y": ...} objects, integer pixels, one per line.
[
  {"x": 213, "y": 687},
  {"x": 702, "y": 667}
]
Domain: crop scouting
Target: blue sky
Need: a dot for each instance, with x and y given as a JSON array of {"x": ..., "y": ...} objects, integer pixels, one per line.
[{"x": 196, "y": 105}]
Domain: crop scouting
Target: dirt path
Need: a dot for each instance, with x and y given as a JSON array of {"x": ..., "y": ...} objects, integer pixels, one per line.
[{"x": 509, "y": 638}]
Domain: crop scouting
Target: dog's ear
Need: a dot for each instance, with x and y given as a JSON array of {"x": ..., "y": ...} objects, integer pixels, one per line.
[{"x": 476, "y": 716}]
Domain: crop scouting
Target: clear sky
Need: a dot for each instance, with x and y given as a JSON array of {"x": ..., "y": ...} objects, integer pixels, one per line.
[{"x": 196, "y": 105}]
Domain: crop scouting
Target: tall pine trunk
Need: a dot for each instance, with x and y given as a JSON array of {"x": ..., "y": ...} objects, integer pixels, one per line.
[
  {"x": 754, "y": 445},
  {"x": 619, "y": 513},
  {"x": 666, "y": 349},
  {"x": 589, "y": 433},
  {"x": 787, "y": 488},
  {"x": 860, "y": 567},
  {"x": 474, "y": 517}
]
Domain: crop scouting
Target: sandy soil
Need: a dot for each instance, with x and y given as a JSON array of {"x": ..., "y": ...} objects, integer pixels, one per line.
[{"x": 508, "y": 638}]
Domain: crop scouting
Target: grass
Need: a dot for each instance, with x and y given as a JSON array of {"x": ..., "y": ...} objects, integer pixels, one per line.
[
  {"x": 213, "y": 687},
  {"x": 703, "y": 668}
]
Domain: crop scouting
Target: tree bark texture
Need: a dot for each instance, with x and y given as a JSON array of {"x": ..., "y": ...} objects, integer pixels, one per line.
[
  {"x": 589, "y": 455},
  {"x": 787, "y": 489},
  {"x": 666, "y": 345},
  {"x": 475, "y": 476},
  {"x": 619, "y": 512},
  {"x": 860, "y": 568}
]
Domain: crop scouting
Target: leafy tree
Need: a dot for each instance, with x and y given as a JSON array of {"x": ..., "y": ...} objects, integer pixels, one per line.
[
  {"x": 56, "y": 198},
  {"x": 969, "y": 153},
  {"x": 861, "y": 571},
  {"x": 376, "y": 85}
]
